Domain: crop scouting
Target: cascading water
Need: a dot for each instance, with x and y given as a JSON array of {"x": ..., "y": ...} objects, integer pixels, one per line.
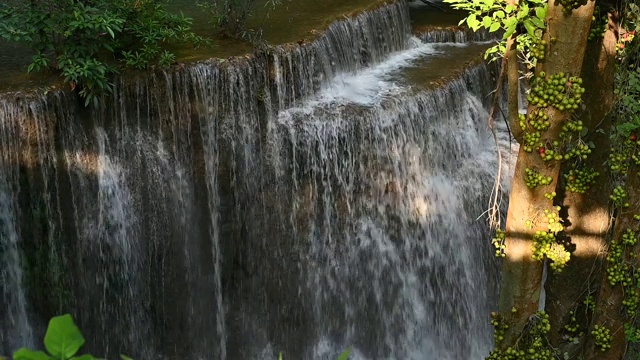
[
  {"x": 303, "y": 200},
  {"x": 17, "y": 330}
]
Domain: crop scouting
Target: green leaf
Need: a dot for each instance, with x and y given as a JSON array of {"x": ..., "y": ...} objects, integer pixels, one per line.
[
  {"x": 531, "y": 28},
  {"x": 26, "y": 354},
  {"x": 509, "y": 9},
  {"x": 63, "y": 339},
  {"x": 494, "y": 27},
  {"x": 523, "y": 12},
  {"x": 344, "y": 355},
  {"x": 125, "y": 357},
  {"x": 486, "y": 21},
  {"x": 473, "y": 22},
  {"x": 538, "y": 23},
  {"x": 488, "y": 3},
  {"x": 626, "y": 128},
  {"x": 499, "y": 14},
  {"x": 510, "y": 27},
  {"x": 541, "y": 12}
]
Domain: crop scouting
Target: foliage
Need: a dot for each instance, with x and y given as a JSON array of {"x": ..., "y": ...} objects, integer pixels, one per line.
[
  {"x": 87, "y": 41},
  {"x": 494, "y": 15},
  {"x": 230, "y": 16},
  {"x": 62, "y": 340}
]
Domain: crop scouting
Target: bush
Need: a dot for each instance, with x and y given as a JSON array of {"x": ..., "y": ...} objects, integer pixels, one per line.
[
  {"x": 88, "y": 40},
  {"x": 230, "y": 16}
]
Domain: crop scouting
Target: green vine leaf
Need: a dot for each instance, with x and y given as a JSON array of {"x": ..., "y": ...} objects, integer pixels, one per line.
[
  {"x": 26, "y": 354},
  {"x": 494, "y": 27},
  {"x": 63, "y": 339}
]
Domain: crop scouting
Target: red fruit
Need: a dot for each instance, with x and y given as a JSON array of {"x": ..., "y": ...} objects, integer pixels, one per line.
[
  {"x": 633, "y": 137},
  {"x": 621, "y": 46},
  {"x": 569, "y": 83},
  {"x": 541, "y": 150}
]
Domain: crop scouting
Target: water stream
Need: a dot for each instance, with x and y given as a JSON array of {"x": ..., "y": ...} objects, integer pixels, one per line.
[{"x": 300, "y": 201}]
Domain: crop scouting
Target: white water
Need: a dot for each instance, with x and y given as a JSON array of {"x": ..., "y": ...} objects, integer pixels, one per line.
[{"x": 220, "y": 212}]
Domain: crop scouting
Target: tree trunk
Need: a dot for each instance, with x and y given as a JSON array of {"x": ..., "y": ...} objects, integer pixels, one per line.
[
  {"x": 522, "y": 276},
  {"x": 513, "y": 79},
  {"x": 588, "y": 214},
  {"x": 609, "y": 310}
]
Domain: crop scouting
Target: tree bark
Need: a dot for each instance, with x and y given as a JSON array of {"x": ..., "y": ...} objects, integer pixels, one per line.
[
  {"x": 588, "y": 215},
  {"x": 513, "y": 79},
  {"x": 522, "y": 276},
  {"x": 609, "y": 311}
]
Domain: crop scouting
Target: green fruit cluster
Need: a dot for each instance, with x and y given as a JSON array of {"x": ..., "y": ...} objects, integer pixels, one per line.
[
  {"x": 534, "y": 179},
  {"x": 537, "y": 48},
  {"x": 618, "y": 160},
  {"x": 542, "y": 242},
  {"x": 579, "y": 180},
  {"x": 533, "y": 345},
  {"x": 553, "y": 219},
  {"x": 569, "y": 5},
  {"x": 500, "y": 326},
  {"x": 629, "y": 238},
  {"x": 631, "y": 300},
  {"x": 531, "y": 140},
  {"x": 636, "y": 159},
  {"x": 572, "y": 328},
  {"x": 559, "y": 91},
  {"x": 579, "y": 151},
  {"x": 559, "y": 257},
  {"x": 619, "y": 197},
  {"x": 498, "y": 243},
  {"x": 589, "y": 302},
  {"x": 572, "y": 126},
  {"x": 537, "y": 119},
  {"x": 545, "y": 245},
  {"x": 617, "y": 270},
  {"x": 598, "y": 25},
  {"x": 549, "y": 154},
  {"x": 602, "y": 337},
  {"x": 550, "y": 195}
]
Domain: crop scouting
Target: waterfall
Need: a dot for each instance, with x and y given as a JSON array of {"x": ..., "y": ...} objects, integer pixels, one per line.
[
  {"x": 299, "y": 200},
  {"x": 16, "y": 324}
]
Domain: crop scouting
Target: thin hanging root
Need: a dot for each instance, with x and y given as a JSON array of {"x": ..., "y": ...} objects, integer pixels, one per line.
[{"x": 493, "y": 210}]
